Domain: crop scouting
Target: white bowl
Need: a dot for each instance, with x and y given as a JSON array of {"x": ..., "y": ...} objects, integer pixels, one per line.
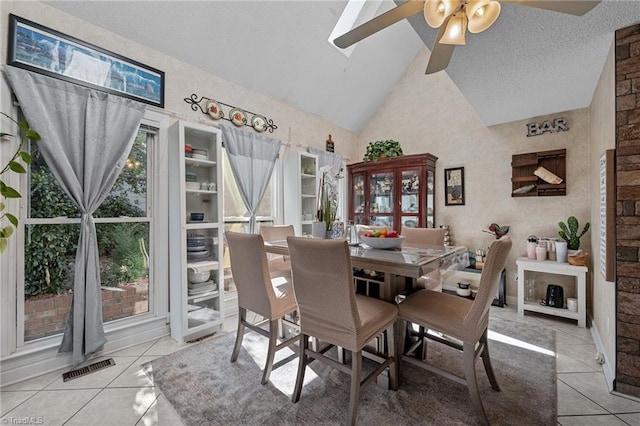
[
  {"x": 383, "y": 243},
  {"x": 198, "y": 277}
]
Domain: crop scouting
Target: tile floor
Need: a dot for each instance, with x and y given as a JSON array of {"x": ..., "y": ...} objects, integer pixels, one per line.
[{"x": 122, "y": 395}]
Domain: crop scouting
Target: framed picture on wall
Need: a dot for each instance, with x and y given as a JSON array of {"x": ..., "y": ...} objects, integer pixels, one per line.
[
  {"x": 40, "y": 49},
  {"x": 454, "y": 186}
]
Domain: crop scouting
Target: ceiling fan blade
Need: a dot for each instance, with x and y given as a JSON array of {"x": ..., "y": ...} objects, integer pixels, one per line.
[
  {"x": 379, "y": 23},
  {"x": 577, "y": 8},
  {"x": 441, "y": 53}
]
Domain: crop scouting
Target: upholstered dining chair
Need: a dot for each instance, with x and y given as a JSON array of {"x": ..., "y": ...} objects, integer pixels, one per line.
[
  {"x": 461, "y": 319},
  {"x": 332, "y": 312},
  {"x": 258, "y": 292},
  {"x": 280, "y": 266},
  {"x": 426, "y": 236}
]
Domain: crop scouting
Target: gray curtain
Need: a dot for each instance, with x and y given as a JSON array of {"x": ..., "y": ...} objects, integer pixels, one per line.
[
  {"x": 328, "y": 161},
  {"x": 252, "y": 158},
  {"x": 86, "y": 137}
]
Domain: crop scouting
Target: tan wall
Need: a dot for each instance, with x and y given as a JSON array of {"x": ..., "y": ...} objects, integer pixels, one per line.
[
  {"x": 602, "y": 134},
  {"x": 294, "y": 126},
  {"x": 429, "y": 114}
]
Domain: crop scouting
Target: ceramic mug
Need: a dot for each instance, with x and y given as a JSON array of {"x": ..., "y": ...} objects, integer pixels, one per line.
[
  {"x": 541, "y": 252},
  {"x": 561, "y": 251}
]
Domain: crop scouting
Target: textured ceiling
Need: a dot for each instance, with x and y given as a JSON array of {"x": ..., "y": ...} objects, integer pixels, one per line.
[{"x": 530, "y": 62}]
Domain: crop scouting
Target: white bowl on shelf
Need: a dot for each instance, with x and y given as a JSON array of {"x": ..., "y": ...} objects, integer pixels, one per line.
[
  {"x": 383, "y": 243},
  {"x": 198, "y": 277}
]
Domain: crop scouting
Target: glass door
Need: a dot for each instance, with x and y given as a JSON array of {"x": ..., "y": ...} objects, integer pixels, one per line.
[
  {"x": 410, "y": 202},
  {"x": 358, "y": 201},
  {"x": 381, "y": 199}
]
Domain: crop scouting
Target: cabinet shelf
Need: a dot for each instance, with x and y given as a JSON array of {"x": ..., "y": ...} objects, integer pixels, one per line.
[
  {"x": 202, "y": 225},
  {"x": 196, "y": 298},
  {"x": 194, "y": 162},
  {"x": 200, "y": 191}
]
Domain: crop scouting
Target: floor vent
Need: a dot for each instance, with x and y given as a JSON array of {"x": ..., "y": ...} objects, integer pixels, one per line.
[{"x": 83, "y": 371}]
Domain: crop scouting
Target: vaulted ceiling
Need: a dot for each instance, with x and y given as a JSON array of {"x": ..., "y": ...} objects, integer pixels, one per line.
[{"x": 530, "y": 62}]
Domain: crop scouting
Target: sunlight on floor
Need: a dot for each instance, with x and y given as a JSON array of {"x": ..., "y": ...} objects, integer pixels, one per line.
[{"x": 519, "y": 343}]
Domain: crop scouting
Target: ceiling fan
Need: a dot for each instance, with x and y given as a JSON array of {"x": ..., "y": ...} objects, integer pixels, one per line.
[{"x": 454, "y": 18}]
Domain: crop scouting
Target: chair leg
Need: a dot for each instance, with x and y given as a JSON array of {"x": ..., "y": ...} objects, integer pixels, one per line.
[
  {"x": 472, "y": 382},
  {"x": 354, "y": 397},
  {"x": 392, "y": 351},
  {"x": 242, "y": 316},
  {"x": 271, "y": 351},
  {"x": 302, "y": 365},
  {"x": 422, "y": 335},
  {"x": 486, "y": 360}
]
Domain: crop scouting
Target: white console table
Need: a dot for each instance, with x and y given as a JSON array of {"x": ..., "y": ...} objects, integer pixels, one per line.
[{"x": 553, "y": 267}]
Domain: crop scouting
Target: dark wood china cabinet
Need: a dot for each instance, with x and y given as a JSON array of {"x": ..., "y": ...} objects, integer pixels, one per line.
[{"x": 393, "y": 193}]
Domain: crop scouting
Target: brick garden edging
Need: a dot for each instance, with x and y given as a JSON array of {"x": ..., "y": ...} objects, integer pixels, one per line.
[{"x": 45, "y": 316}]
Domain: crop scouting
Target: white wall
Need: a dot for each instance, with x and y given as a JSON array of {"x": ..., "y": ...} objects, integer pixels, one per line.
[
  {"x": 603, "y": 131},
  {"x": 429, "y": 114}
]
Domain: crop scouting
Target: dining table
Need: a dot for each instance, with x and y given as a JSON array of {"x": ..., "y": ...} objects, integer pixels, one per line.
[{"x": 409, "y": 261}]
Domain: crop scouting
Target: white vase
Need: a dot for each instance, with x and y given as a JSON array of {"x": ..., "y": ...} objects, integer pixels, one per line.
[
  {"x": 561, "y": 251},
  {"x": 318, "y": 230}
]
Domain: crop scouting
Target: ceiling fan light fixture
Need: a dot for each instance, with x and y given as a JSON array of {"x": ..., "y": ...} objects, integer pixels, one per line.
[
  {"x": 456, "y": 30},
  {"x": 482, "y": 14},
  {"x": 436, "y": 11}
]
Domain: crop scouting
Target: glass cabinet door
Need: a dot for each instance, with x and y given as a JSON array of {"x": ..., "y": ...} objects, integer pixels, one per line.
[
  {"x": 381, "y": 199},
  {"x": 410, "y": 202},
  {"x": 358, "y": 201},
  {"x": 431, "y": 204}
]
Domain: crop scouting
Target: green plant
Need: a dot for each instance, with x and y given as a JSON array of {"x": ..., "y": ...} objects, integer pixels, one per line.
[
  {"x": 13, "y": 165},
  {"x": 388, "y": 148},
  {"x": 569, "y": 232},
  {"x": 327, "y": 202}
]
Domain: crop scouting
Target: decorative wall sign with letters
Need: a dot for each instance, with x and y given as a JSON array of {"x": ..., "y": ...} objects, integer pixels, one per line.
[{"x": 547, "y": 126}]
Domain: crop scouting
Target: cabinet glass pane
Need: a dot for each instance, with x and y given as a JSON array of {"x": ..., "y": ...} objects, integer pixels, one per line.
[
  {"x": 381, "y": 221},
  {"x": 410, "y": 191},
  {"x": 381, "y": 193},
  {"x": 358, "y": 193},
  {"x": 410, "y": 221},
  {"x": 430, "y": 201}
]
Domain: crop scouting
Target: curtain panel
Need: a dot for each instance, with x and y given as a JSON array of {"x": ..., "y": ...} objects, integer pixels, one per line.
[
  {"x": 86, "y": 138},
  {"x": 252, "y": 158}
]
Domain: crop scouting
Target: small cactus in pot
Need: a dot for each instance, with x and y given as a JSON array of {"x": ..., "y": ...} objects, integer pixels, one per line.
[{"x": 569, "y": 232}]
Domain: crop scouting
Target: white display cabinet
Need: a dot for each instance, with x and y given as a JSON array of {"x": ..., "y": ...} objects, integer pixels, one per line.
[
  {"x": 301, "y": 189},
  {"x": 195, "y": 231}
]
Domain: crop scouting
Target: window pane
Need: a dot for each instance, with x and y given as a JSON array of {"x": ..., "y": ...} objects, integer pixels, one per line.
[
  {"x": 47, "y": 199},
  {"x": 124, "y": 269},
  {"x": 50, "y": 252},
  {"x": 128, "y": 196},
  {"x": 233, "y": 204}
]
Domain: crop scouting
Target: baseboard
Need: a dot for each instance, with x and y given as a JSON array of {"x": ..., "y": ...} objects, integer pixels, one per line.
[{"x": 608, "y": 367}]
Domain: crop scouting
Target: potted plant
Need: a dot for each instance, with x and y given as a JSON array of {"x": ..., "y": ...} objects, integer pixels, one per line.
[
  {"x": 382, "y": 149},
  {"x": 13, "y": 165},
  {"x": 569, "y": 232},
  {"x": 327, "y": 203}
]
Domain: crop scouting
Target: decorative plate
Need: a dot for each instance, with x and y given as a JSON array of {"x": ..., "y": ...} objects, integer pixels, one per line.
[
  {"x": 259, "y": 123},
  {"x": 214, "y": 110},
  {"x": 238, "y": 117}
]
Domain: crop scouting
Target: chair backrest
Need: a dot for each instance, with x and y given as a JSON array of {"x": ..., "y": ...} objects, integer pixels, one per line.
[
  {"x": 323, "y": 285},
  {"x": 426, "y": 236},
  {"x": 489, "y": 281},
  {"x": 250, "y": 270},
  {"x": 276, "y": 232}
]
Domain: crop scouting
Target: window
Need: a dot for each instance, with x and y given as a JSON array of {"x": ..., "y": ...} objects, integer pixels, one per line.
[
  {"x": 236, "y": 215},
  {"x": 123, "y": 223}
]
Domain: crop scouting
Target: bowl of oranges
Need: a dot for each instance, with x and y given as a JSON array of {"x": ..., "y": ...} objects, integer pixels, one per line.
[{"x": 382, "y": 239}]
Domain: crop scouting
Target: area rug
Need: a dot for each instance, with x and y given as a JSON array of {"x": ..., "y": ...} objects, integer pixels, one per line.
[{"x": 205, "y": 388}]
